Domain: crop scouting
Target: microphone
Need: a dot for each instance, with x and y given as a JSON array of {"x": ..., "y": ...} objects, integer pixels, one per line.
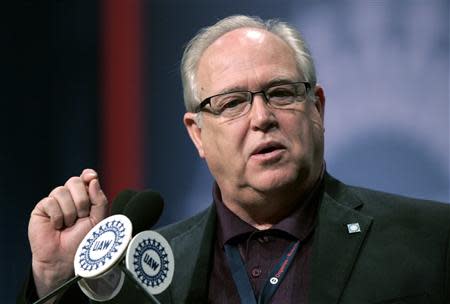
[
  {"x": 105, "y": 244},
  {"x": 121, "y": 200},
  {"x": 144, "y": 210},
  {"x": 149, "y": 259}
]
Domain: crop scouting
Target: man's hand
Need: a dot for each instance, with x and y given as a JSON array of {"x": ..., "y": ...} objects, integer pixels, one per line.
[{"x": 57, "y": 225}]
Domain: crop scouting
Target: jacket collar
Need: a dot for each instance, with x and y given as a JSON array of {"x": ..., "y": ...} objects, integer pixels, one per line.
[
  {"x": 192, "y": 245},
  {"x": 335, "y": 249}
]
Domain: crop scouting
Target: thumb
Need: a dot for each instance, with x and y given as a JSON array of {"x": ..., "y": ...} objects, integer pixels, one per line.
[{"x": 99, "y": 207}]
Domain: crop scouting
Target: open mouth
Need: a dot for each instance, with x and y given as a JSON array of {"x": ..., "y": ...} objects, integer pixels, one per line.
[{"x": 268, "y": 148}]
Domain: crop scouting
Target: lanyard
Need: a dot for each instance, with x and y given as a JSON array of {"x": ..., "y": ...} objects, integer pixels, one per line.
[{"x": 242, "y": 281}]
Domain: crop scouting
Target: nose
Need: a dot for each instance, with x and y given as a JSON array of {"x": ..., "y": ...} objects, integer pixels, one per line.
[{"x": 261, "y": 115}]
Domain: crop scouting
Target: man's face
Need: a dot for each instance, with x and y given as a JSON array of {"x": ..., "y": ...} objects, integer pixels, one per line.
[{"x": 266, "y": 150}]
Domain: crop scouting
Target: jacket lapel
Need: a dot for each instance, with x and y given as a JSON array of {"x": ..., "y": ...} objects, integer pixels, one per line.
[
  {"x": 193, "y": 250},
  {"x": 335, "y": 249}
]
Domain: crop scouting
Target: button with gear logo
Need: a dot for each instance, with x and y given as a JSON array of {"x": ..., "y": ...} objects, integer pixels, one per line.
[
  {"x": 150, "y": 259},
  {"x": 103, "y": 246}
]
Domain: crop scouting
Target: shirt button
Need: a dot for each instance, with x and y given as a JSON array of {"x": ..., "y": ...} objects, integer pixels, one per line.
[
  {"x": 263, "y": 239},
  {"x": 256, "y": 272}
]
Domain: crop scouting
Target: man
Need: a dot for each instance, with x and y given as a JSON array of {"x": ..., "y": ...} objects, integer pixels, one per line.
[{"x": 280, "y": 229}]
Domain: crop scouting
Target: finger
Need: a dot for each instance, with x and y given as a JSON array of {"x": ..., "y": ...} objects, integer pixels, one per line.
[
  {"x": 88, "y": 175},
  {"x": 49, "y": 207},
  {"x": 99, "y": 202},
  {"x": 80, "y": 197},
  {"x": 66, "y": 203}
]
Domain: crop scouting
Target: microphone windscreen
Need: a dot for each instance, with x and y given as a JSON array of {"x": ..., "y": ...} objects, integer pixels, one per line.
[
  {"x": 144, "y": 210},
  {"x": 121, "y": 200}
]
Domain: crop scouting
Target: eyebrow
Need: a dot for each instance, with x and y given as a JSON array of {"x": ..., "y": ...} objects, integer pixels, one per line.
[
  {"x": 273, "y": 82},
  {"x": 277, "y": 81},
  {"x": 231, "y": 90}
]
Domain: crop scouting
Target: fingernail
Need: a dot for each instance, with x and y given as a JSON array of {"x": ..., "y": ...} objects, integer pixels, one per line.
[{"x": 97, "y": 185}]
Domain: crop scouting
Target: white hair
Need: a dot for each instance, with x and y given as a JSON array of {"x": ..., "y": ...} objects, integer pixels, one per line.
[{"x": 206, "y": 36}]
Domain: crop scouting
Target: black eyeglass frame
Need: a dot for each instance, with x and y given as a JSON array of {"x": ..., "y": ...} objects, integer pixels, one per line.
[{"x": 206, "y": 101}]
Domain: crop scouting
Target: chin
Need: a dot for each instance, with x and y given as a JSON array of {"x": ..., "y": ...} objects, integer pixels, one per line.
[{"x": 275, "y": 181}]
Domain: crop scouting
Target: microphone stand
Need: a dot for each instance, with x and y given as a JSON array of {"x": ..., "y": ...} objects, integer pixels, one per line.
[
  {"x": 76, "y": 278},
  {"x": 133, "y": 279},
  {"x": 61, "y": 288}
]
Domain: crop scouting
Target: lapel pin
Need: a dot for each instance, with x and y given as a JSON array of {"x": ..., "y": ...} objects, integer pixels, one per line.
[{"x": 353, "y": 228}]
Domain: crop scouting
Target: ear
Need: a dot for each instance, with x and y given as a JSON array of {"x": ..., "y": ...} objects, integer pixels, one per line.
[
  {"x": 320, "y": 100},
  {"x": 195, "y": 132}
]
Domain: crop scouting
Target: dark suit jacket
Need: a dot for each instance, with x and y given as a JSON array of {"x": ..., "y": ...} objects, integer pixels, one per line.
[{"x": 401, "y": 255}]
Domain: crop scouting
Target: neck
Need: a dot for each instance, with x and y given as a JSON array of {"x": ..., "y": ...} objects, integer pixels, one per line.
[
  {"x": 262, "y": 210},
  {"x": 262, "y": 226}
]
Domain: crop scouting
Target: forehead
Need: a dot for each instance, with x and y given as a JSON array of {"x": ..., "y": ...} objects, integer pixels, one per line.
[{"x": 246, "y": 58}]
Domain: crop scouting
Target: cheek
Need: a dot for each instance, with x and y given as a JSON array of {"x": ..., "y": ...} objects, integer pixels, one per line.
[
  {"x": 222, "y": 143},
  {"x": 223, "y": 154},
  {"x": 305, "y": 131}
]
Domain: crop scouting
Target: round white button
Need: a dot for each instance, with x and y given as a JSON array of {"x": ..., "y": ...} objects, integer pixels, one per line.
[{"x": 103, "y": 246}]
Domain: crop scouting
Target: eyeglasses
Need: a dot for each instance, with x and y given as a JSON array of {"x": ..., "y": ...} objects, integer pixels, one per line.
[{"x": 235, "y": 104}]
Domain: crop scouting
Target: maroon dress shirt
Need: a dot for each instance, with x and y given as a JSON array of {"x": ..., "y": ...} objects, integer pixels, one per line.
[{"x": 261, "y": 250}]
